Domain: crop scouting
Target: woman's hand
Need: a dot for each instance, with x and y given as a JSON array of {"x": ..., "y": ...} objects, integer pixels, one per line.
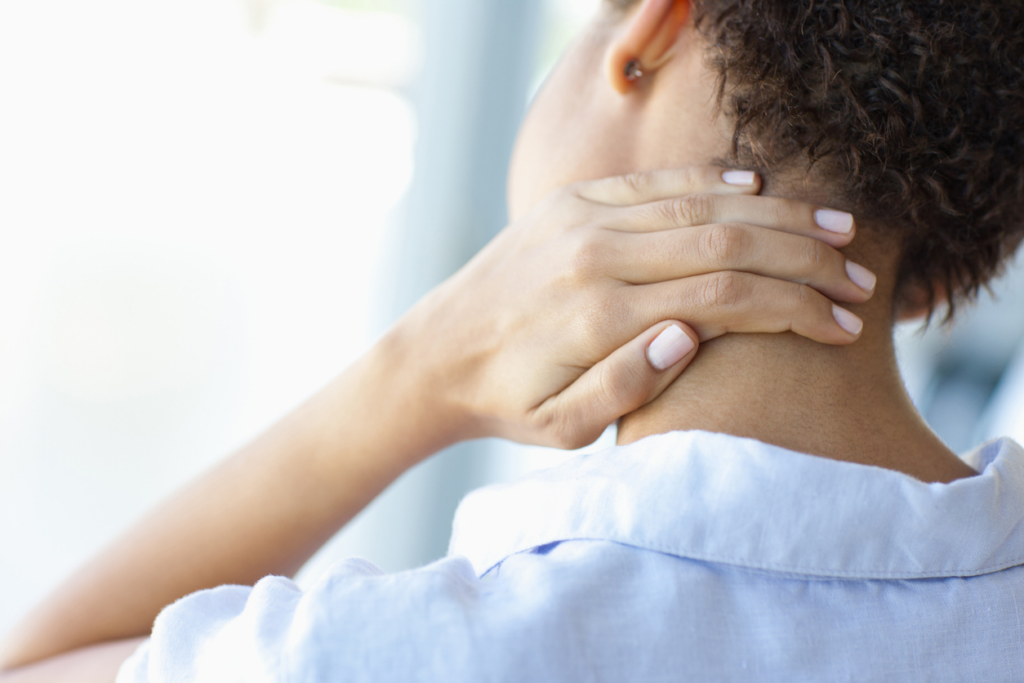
[
  {"x": 536, "y": 339},
  {"x": 547, "y": 336}
]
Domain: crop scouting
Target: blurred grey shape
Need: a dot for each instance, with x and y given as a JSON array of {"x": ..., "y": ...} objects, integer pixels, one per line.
[
  {"x": 469, "y": 98},
  {"x": 961, "y": 378},
  {"x": 1005, "y": 414}
]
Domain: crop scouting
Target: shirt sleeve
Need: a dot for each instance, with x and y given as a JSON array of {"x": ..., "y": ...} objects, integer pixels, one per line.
[
  {"x": 355, "y": 624},
  {"x": 134, "y": 668}
]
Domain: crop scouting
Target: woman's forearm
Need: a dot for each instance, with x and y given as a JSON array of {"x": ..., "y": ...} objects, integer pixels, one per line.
[
  {"x": 544, "y": 337},
  {"x": 95, "y": 664},
  {"x": 265, "y": 510}
]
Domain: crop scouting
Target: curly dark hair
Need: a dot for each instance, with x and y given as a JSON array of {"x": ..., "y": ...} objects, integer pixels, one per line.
[{"x": 916, "y": 107}]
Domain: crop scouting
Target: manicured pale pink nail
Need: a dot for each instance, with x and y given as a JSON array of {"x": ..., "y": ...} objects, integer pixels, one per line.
[
  {"x": 848, "y": 321},
  {"x": 834, "y": 221},
  {"x": 669, "y": 347},
  {"x": 739, "y": 177},
  {"x": 861, "y": 276}
]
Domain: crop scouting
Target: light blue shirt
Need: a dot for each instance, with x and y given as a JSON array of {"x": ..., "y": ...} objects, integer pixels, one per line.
[{"x": 687, "y": 556}]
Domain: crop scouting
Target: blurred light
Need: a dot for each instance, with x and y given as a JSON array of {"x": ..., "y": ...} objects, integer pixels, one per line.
[
  {"x": 563, "y": 22},
  {"x": 126, "y": 323},
  {"x": 1006, "y": 417},
  {"x": 950, "y": 371},
  {"x": 344, "y": 46},
  {"x": 190, "y": 234}
]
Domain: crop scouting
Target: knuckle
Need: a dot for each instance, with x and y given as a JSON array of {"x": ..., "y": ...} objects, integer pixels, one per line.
[
  {"x": 694, "y": 209},
  {"x": 560, "y": 195},
  {"x": 587, "y": 190},
  {"x": 586, "y": 257},
  {"x": 619, "y": 387},
  {"x": 571, "y": 196},
  {"x": 722, "y": 290},
  {"x": 779, "y": 211},
  {"x": 805, "y": 295},
  {"x": 696, "y": 176},
  {"x": 557, "y": 209},
  {"x": 564, "y": 192},
  {"x": 595, "y": 316},
  {"x": 637, "y": 182},
  {"x": 806, "y": 307},
  {"x": 567, "y": 434},
  {"x": 689, "y": 179},
  {"x": 815, "y": 255},
  {"x": 722, "y": 244}
]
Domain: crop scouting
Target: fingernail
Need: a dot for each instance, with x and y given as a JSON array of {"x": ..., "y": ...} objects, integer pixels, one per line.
[
  {"x": 669, "y": 347},
  {"x": 861, "y": 276},
  {"x": 848, "y": 321},
  {"x": 739, "y": 177},
  {"x": 834, "y": 221}
]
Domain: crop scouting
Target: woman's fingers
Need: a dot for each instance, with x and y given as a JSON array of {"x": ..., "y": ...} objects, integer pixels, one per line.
[
  {"x": 729, "y": 301},
  {"x": 835, "y": 228},
  {"x": 631, "y": 377},
  {"x": 645, "y": 258},
  {"x": 652, "y": 186}
]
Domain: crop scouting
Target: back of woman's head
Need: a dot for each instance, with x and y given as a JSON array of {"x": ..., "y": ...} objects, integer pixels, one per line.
[{"x": 912, "y": 109}]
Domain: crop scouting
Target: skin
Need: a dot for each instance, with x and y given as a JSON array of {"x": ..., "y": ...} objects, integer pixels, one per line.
[
  {"x": 846, "y": 403},
  {"x": 542, "y": 338},
  {"x": 534, "y": 340}
]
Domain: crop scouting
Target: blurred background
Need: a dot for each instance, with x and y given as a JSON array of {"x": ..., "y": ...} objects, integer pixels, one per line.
[{"x": 208, "y": 208}]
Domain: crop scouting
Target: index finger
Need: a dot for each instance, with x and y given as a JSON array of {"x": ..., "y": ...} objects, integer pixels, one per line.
[
  {"x": 651, "y": 186},
  {"x": 836, "y": 228}
]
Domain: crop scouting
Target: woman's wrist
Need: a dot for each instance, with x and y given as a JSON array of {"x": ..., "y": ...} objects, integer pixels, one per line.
[
  {"x": 264, "y": 510},
  {"x": 405, "y": 399}
]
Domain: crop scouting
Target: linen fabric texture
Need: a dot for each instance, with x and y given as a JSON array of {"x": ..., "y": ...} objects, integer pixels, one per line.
[{"x": 687, "y": 556}]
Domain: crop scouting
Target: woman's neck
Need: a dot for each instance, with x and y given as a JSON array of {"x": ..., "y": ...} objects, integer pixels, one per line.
[{"x": 844, "y": 403}]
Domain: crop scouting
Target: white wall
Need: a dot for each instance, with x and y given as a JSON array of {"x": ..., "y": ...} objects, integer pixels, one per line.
[{"x": 190, "y": 224}]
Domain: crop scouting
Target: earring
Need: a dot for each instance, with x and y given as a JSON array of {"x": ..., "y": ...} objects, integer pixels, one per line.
[{"x": 633, "y": 70}]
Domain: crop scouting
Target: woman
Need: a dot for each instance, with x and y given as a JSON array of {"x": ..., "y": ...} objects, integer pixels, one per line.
[
  {"x": 495, "y": 351},
  {"x": 679, "y": 554}
]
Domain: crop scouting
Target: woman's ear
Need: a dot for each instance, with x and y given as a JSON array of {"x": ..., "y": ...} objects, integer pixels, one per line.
[
  {"x": 918, "y": 302},
  {"x": 645, "y": 40}
]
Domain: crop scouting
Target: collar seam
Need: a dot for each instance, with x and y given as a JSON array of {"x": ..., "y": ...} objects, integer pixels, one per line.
[{"x": 776, "y": 567}]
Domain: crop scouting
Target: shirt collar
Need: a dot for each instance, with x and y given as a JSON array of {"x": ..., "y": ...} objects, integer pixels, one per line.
[{"x": 725, "y": 499}]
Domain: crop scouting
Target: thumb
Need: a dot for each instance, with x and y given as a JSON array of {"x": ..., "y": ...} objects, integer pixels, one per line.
[{"x": 631, "y": 377}]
